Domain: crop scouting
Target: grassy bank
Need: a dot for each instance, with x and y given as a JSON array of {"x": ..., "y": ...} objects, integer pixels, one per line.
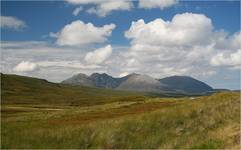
[{"x": 204, "y": 122}]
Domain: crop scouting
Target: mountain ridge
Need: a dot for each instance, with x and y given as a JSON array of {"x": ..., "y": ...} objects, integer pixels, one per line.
[
  {"x": 144, "y": 83},
  {"x": 18, "y": 89}
]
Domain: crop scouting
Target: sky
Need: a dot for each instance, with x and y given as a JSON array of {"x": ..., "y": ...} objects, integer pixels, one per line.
[{"x": 57, "y": 39}]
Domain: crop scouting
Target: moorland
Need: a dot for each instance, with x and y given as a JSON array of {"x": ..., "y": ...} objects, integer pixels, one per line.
[{"x": 36, "y": 113}]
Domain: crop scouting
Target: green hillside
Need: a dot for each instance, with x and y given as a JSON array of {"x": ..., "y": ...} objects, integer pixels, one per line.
[
  {"x": 39, "y": 114},
  {"x": 26, "y": 90}
]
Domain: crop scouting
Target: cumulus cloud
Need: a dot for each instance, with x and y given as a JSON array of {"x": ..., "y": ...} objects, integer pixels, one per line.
[
  {"x": 224, "y": 41},
  {"x": 236, "y": 40},
  {"x": 232, "y": 59},
  {"x": 183, "y": 29},
  {"x": 25, "y": 66},
  {"x": 228, "y": 52},
  {"x": 53, "y": 63},
  {"x": 187, "y": 44},
  {"x": 78, "y": 33},
  {"x": 12, "y": 23},
  {"x": 99, "y": 55},
  {"x": 184, "y": 45},
  {"x": 104, "y": 7},
  {"x": 77, "y": 10},
  {"x": 148, "y": 4}
]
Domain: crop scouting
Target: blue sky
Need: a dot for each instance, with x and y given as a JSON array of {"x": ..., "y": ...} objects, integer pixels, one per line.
[{"x": 41, "y": 18}]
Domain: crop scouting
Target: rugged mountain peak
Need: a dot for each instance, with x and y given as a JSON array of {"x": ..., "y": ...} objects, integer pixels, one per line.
[
  {"x": 99, "y": 75},
  {"x": 104, "y": 80},
  {"x": 80, "y": 75},
  {"x": 79, "y": 79},
  {"x": 132, "y": 74},
  {"x": 95, "y": 74},
  {"x": 138, "y": 82}
]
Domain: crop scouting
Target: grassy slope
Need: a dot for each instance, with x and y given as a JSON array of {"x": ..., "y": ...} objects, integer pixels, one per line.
[
  {"x": 39, "y": 114},
  {"x": 26, "y": 90},
  {"x": 206, "y": 122}
]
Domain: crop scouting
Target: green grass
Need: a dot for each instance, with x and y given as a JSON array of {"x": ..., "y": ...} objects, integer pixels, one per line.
[
  {"x": 39, "y": 114},
  {"x": 26, "y": 90},
  {"x": 208, "y": 122}
]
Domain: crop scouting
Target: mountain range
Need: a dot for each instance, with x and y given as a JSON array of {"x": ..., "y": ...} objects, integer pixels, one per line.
[{"x": 143, "y": 83}]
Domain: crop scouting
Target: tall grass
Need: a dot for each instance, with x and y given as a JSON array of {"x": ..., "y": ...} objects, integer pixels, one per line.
[{"x": 204, "y": 123}]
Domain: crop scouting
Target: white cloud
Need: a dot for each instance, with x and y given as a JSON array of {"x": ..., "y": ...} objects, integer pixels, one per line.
[
  {"x": 232, "y": 59},
  {"x": 12, "y": 23},
  {"x": 58, "y": 63},
  {"x": 77, "y": 10},
  {"x": 99, "y": 55},
  {"x": 78, "y": 33},
  {"x": 123, "y": 74},
  {"x": 236, "y": 40},
  {"x": 182, "y": 30},
  {"x": 22, "y": 44},
  {"x": 53, "y": 35},
  {"x": 53, "y": 63},
  {"x": 224, "y": 41},
  {"x": 228, "y": 52},
  {"x": 185, "y": 45},
  {"x": 25, "y": 66},
  {"x": 75, "y": 64},
  {"x": 148, "y": 4},
  {"x": 104, "y": 7}
]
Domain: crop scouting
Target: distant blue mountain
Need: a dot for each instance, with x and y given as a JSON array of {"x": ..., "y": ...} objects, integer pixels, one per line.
[{"x": 186, "y": 84}]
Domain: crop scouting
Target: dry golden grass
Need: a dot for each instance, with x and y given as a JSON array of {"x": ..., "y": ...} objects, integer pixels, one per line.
[{"x": 208, "y": 122}]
